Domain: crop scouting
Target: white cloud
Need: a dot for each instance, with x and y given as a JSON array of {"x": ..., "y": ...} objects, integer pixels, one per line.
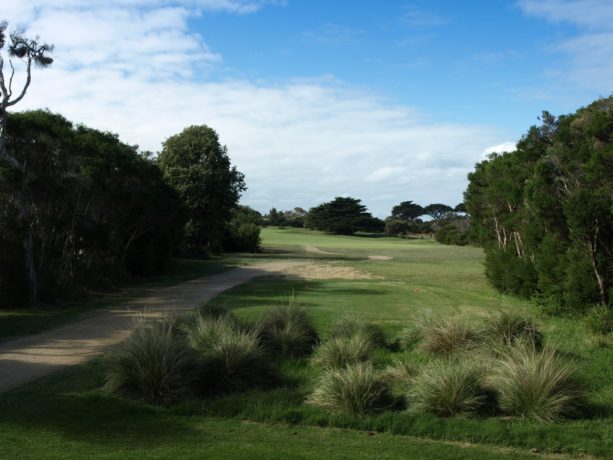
[
  {"x": 590, "y": 52},
  {"x": 300, "y": 142},
  {"x": 594, "y": 14},
  {"x": 500, "y": 148}
]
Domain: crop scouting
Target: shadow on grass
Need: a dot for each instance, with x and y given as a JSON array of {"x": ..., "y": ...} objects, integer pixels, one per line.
[{"x": 72, "y": 405}]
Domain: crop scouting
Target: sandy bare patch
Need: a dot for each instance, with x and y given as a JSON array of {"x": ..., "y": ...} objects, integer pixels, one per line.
[
  {"x": 326, "y": 271},
  {"x": 316, "y": 250},
  {"x": 380, "y": 257}
]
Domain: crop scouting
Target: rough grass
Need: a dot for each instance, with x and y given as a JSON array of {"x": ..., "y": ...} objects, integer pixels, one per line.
[
  {"x": 153, "y": 364},
  {"x": 357, "y": 389},
  {"x": 536, "y": 384},
  {"x": 288, "y": 331},
  {"x": 342, "y": 351},
  {"x": 447, "y": 388},
  {"x": 350, "y": 324},
  {"x": 229, "y": 358},
  {"x": 507, "y": 328},
  {"x": 443, "y": 336}
]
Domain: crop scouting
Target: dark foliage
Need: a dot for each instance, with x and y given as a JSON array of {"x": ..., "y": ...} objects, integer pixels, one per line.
[
  {"x": 544, "y": 212},
  {"x": 98, "y": 210},
  {"x": 343, "y": 216}
]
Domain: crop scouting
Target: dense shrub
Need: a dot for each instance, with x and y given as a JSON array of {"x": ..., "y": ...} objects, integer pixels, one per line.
[
  {"x": 243, "y": 231},
  {"x": 600, "y": 320},
  {"x": 229, "y": 357},
  {"x": 447, "y": 388},
  {"x": 537, "y": 385},
  {"x": 288, "y": 331},
  {"x": 98, "y": 210},
  {"x": 357, "y": 389},
  {"x": 153, "y": 364},
  {"x": 342, "y": 351}
]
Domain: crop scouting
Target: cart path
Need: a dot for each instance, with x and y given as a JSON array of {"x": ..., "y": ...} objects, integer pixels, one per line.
[{"x": 31, "y": 357}]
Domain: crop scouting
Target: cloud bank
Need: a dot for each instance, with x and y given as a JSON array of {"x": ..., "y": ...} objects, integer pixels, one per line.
[{"x": 137, "y": 69}]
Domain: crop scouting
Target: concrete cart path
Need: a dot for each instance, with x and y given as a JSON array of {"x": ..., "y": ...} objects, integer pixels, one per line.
[{"x": 31, "y": 357}]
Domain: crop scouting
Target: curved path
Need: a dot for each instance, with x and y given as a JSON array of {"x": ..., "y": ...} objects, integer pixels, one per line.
[{"x": 28, "y": 358}]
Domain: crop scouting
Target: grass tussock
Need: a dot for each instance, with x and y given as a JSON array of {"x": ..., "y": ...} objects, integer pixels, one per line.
[
  {"x": 357, "y": 389},
  {"x": 536, "y": 384},
  {"x": 398, "y": 376},
  {"x": 229, "y": 357},
  {"x": 447, "y": 388},
  {"x": 409, "y": 337},
  {"x": 351, "y": 324},
  {"x": 342, "y": 351},
  {"x": 153, "y": 364},
  {"x": 288, "y": 331},
  {"x": 444, "y": 336},
  {"x": 508, "y": 328}
]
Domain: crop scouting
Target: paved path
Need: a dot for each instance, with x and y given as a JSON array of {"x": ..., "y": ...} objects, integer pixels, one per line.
[{"x": 28, "y": 358}]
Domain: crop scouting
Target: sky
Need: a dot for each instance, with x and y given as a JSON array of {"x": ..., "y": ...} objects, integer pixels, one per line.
[{"x": 385, "y": 101}]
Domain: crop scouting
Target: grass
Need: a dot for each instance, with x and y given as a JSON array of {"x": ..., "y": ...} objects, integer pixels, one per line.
[
  {"x": 536, "y": 384},
  {"x": 153, "y": 364},
  {"x": 356, "y": 389},
  {"x": 68, "y": 415}
]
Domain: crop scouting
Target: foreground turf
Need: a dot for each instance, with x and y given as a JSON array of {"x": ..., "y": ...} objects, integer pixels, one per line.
[{"x": 68, "y": 415}]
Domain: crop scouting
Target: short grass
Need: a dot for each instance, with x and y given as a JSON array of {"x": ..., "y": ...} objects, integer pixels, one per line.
[{"x": 68, "y": 414}]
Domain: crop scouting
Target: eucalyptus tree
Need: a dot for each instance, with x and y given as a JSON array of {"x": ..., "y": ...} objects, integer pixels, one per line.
[{"x": 32, "y": 53}]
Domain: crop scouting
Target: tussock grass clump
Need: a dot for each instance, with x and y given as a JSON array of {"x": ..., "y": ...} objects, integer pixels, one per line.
[
  {"x": 356, "y": 389},
  {"x": 288, "y": 331},
  {"x": 508, "y": 328},
  {"x": 444, "y": 336},
  {"x": 153, "y": 364},
  {"x": 230, "y": 358},
  {"x": 342, "y": 351},
  {"x": 536, "y": 384},
  {"x": 447, "y": 388},
  {"x": 409, "y": 337},
  {"x": 398, "y": 376},
  {"x": 350, "y": 324}
]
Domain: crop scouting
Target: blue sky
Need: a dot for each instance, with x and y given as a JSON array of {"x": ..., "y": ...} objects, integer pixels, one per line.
[{"x": 385, "y": 101}]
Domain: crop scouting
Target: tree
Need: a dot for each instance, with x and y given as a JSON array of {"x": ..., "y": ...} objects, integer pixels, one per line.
[
  {"x": 32, "y": 53},
  {"x": 99, "y": 210},
  {"x": 437, "y": 210},
  {"x": 343, "y": 216},
  {"x": 198, "y": 167},
  {"x": 408, "y": 211},
  {"x": 543, "y": 212},
  {"x": 460, "y": 208}
]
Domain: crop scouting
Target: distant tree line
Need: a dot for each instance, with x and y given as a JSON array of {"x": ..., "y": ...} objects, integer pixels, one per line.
[{"x": 544, "y": 213}]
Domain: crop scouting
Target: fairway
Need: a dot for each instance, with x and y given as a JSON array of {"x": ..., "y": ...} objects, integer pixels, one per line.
[{"x": 68, "y": 415}]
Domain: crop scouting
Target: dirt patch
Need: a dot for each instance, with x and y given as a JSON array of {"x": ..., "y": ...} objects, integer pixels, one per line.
[
  {"x": 327, "y": 271},
  {"x": 316, "y": 250},
  {"x": 380, "y": 257}
]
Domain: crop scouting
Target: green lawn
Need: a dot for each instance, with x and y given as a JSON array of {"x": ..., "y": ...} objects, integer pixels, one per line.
[{"x": 68, "y": 415}]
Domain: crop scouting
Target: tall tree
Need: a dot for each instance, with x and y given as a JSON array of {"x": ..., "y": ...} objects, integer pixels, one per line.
[
  {"x": 407, "y": 210},
  {"x": 437, "y": 210},
  {"x": 544, "y": 214},
  {"x": 199, "y": 168},
  {"x": 31, "y": 53},
  {"x": 343, "y": 216}
]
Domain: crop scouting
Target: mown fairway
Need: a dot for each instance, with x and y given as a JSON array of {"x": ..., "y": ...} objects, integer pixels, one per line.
[{"x": 69, "y": 416}]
